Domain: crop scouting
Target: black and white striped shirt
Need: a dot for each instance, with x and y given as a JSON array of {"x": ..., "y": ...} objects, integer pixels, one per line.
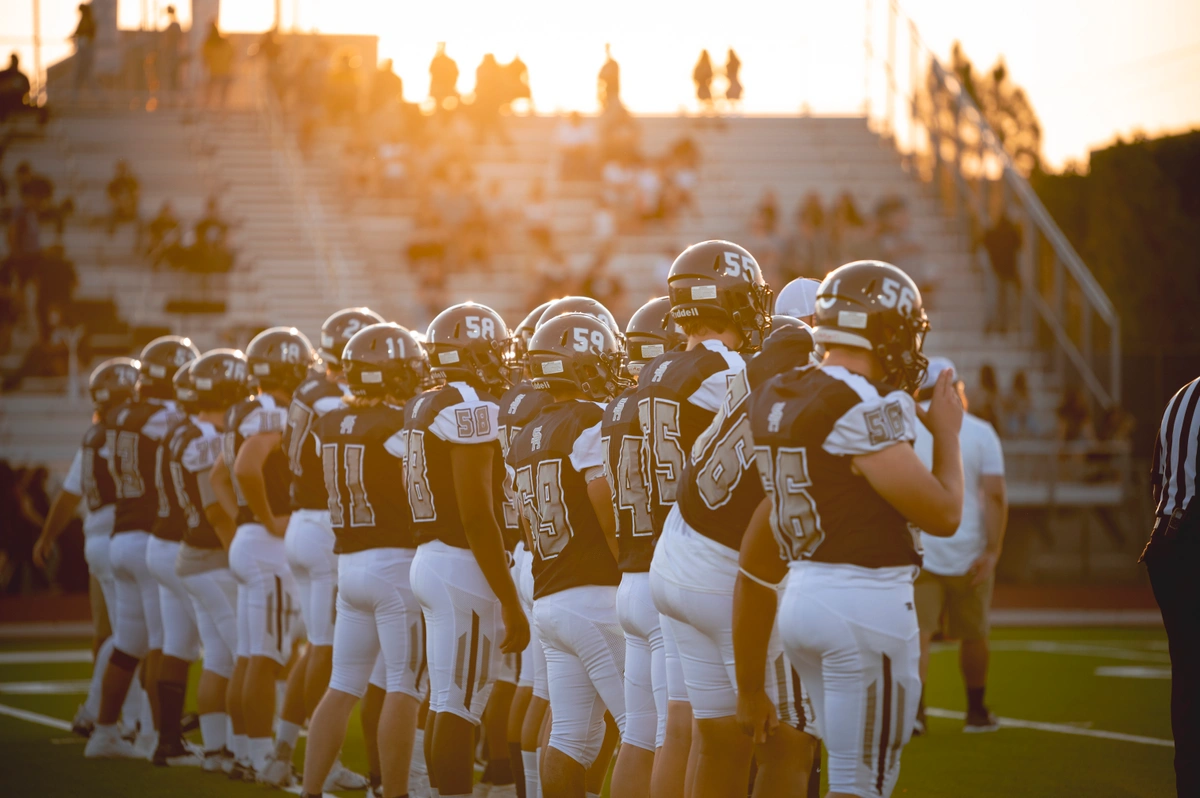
[{"x": 1177, "y": 451}]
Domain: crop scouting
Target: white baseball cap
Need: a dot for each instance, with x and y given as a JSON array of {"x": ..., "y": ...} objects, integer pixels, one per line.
[
  {"x": 798, "y": 298},
  {"x": 936, "y": 366}
]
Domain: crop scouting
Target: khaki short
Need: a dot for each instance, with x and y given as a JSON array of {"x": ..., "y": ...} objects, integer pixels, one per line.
[{"x": 951, "y": 604}]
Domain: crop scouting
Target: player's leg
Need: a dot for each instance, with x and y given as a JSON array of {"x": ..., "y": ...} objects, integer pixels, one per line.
[
  {"x": 635, "y": 762},
  {"x": 597, "y": 773},
  {"x": 148, "y": 585},
  {"x": 214, "y": 595},
  {"x": 290, "y": 719},
  {"x": 516, "y": 719},
  {"x": 673, "y": 760},
  {"x": 427, "y": 587},
  {"x": 575, "y": 704},
  {"x": 398, "y": 619},
  {"x": 310, "y": 543},
  {"x": 181, "y": 646},
  {"x": 370, "y": 711},
  {"x": 498, "y": 771},
  {"x": 102, "y": 593},
  {"x": 786, "y": 758}
]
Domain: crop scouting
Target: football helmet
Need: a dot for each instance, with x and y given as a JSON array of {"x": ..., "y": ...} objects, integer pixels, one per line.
[
  {"x": 339, "y": 328},
  {"x": 279, "y": 358},
  {"x": 220, "y": 379},
  {"x": 159, "y": 361},
  {"x": 576, "y": 350},
  {"x": 875, "y": 306},
  {"x": 524, "y": 331},
  {"x": 721, "y": 280},
  {"x": 779, "y": 320},
  {"x": 185, "y": 392},
  {"x": 112, "y": 382},
  {"x": 384, "y": 360},
  {"x": 468, "y": 342},
  {"x": 797, "y": 299},
  {"x": 580, "y": 304},
  {"x": 650, "y": 332}
]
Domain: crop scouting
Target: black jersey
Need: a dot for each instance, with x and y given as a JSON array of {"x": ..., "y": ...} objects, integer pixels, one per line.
[
  {"x": 171, "y": 523},
  {"x": 315, "y": 397},
  {"x": 95, "y": 478},
  {"x": 450, "y": 415},
  {"x": 249, "y": 417},
  {"x": 808, "y": 425},
  {"x": 192, "y": 450},
  {"x": 362, "y": 451},
  {"x": 135, "y": 430},
  {"x": 678, "y": 395},
  {"x": 519, "y": 404},
  {"x": 551, "y": 460},
  {"x": 622, "y": 439}
]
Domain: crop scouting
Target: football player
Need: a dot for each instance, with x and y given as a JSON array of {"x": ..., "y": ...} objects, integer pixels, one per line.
[
  {"x": 454, "y": 475},
  {"x": 134, "y": 431},
  {"x": 251, "y": 481},
  {"x": 218, "y": 381},
  {"x": 719, "y": 299},
  {"x": 309, "y": 540},
  {"x": 797, "y": 299},
  {"x": 695, "y": 569},
  {"x": 842, "y": 484},
  {"x": 181, "y": 639},
  {"x": 650, "y": 333},
  {"x": 556, "y": 465},
  {"x": 110, "y": 384},
  {"x": 362, "y": 450}
]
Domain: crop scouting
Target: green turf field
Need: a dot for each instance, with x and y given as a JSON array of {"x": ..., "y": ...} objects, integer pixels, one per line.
[{"x": 1097, "y": 697}]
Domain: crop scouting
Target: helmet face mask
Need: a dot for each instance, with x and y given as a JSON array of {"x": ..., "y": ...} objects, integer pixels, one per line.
[
  {"x": 720, "y": 280},
  {"x": 576, "y": 352}
]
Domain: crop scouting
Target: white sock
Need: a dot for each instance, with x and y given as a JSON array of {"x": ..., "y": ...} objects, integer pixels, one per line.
[
  {"x": 593, "y": 795},
  {"x": 288, "y": 733},
  {"x": 105, "y": 728},
  {"x": 533, "y": 780},
  {"x": 92, "y": 705},
  {"x": 417, "y": 767},
  {"x": 131, "y": 709},
  {"x": 241, "y": 747},
  {"x": 228, "y": 733},
  {"x": 260, "y": 749},
  {"x": 280, "y": 690},
  {"x": 433, "y": 793},
  {"x": 212, "y": 730}
]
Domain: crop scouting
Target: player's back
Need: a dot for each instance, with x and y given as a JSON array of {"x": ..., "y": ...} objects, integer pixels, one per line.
[
  {"x": 314, "y": 397},
  {"x": 551, "y": 460},
  {"x": 519, "y": 404},
  {"x": 171, "y": 521},
  {"x": 249, "y": 417},
  {"x": 192, "y": 451},
  {"x": 135, "y": 431},
  {"x": 808, "y": 425},
  {"x": 678, "y": 395},
  {"x": 622, "y": 438},
  {"x": 99, "y": 489},
  {"x": 362, "y": 451},
  {"x": 454, "y": 414}
]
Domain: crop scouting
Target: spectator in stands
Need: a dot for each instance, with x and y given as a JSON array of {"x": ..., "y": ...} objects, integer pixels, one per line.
[
  {"x": 443, "y": 79},
  {"x": 490, "y": 96},
  {"x": 269, "y": 49},
  {"x": 393, "y": 167},
  {"x": 985, "y": 399},
  {"x": 85, "y": 47},
  {"x": 733, "y": 88},
  {"x": 1018, "y": 409},
  {"x": 702, "y": 76},
  {"x": 766, "y": 248},
  {"x": 212, "y": 253},
  {"x": 170, "y": 55},
  {"x": 426, "y": 257},
  {"x": 767, "y": 211},
  {"x": 218, "y": 60},
  {"x": 1074, "y": 417},
  {"x": 56, "y": 280},
  {"x": 806, "y": 250},
  {"x": 617, "y": 187},
  {"x": 162, "y": 234},
  {"x": 848, "y": 234},
  {"x": 683, "y": 163},
  {"x": 648, "y": 190},
  {"x": 14, "y": 93},
  {"x": 537, "y": 217},
  {"x": 1002, "y": 243},
  {"x": 123, "y": 198},
  {"x": 341, "y": 92},
  {"x": 516, "y": 81},
  {"x": 576, "y": 140},
  {"x": 387, "y": 89},
  {"x": 609, "y": 81},
  {"x": 24, "y": 244},
  {"x": 896, "y": 244}
]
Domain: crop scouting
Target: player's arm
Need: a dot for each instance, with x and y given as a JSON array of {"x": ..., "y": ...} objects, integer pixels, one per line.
[
  {"x": 755, "y": 598},
  {"x": 471, "y": 465},
  {"x": 248, "y": 468},
  {"x": 929, "y": 500},
  {"x": 221, "y": 522},
  {"x": 65, "y": 505},
  {"x": 221, "y": 483},
  {"x": 600, "y": 494}
]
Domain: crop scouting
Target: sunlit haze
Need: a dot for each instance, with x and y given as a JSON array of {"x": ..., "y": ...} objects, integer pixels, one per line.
[{"x": 1094, "y": 69}]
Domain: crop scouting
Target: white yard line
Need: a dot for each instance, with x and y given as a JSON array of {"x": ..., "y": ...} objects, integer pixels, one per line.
[
  {"x": 64, "y": 687},
  {"x": 43, "y": 657},
  {"x": 1074, "y": 649},
  {"x": 1059, "y": 728},
  {"x": 33, "y": 717}
]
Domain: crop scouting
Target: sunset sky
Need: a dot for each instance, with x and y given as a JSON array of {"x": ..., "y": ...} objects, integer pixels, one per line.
[{"x": 1094, "y": 69}]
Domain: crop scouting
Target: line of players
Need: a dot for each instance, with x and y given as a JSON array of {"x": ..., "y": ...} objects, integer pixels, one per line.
[{"x": 599, "y": 553}]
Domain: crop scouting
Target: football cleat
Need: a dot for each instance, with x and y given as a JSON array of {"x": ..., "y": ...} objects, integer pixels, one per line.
[
  {"x": 342, "y": 778},
  {"x": 981, "y": 722},
  {"x": 219, "y": 761},
  {"x": 146, "y": 744},
  {"x": 278, "y": 770},
  {"x": 83, "y": 722},
  {"x": 180, "y": 754},
  {"x": 242, "y": 771},
  {"x": 106, "y": 743}
]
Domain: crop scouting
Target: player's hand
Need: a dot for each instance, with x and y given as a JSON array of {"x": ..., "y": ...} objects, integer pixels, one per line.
[
  {"x": 516, "y": 629},
  {"x": 41, "y": 551},
  {"x": 945, "y": 413},
  {"x": 280, "y": 522},
  {"x": 756, "y": 715},
  {"x": 983, "y": 568}
]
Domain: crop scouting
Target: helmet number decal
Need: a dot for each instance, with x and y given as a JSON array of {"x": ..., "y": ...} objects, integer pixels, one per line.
[
  {"x": 480, "y": 327},
  {"x": 289, "y": 352},
  {"x": 738, "y": 265},
  {"x": 585, "y": 339},
  {"x": 895, "y": 295},
  {"x": 353, "y": 325}
]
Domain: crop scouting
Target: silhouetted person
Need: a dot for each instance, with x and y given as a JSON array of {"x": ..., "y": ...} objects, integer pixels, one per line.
[
  {"x": 609, "y": 81},
  {"x": 733, "y": 66},
  {"x": 85, "y": 46},
  {"x": 123, "y": 197},
  {"x": 269, "y": 49},
  {"x": 387, "y": 89},
  {"x": 212, "y": 251},
  {"x": 1003, "y": 243},
  {"x": 341, "y": 93},
  {"x": 702, "y": 76},
  {"x": 14, "y": 90},
  {"x": 516, "y": 81},
  {"x": 490, "y": 91},
  {"x": 443, "y": 77},
  {"x": 170, "y": 56},
  {"x": 218, "y": 60}
]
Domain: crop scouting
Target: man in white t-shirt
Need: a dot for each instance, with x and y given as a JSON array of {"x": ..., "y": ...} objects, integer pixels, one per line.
[{"x": 954, "y": 590}]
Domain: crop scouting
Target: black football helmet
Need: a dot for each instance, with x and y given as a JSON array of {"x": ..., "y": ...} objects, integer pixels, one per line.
[
  {"x": 650, "y": 332},
  {"x": 220, "y": 379},
  {"x": 185, "y": 391},
  {"x": 112, "y": 382},
  {"x": 721, "y": 280},
  {"x": 159, "y": 361},
  {"x": 524, "y": 331},
  {"x": 339, "y": 328},
  {"x": 790, "y": 345},
  {"x": 576, "y": 350},
  {"x": 279, "y": 358},
  {"x": 779, "y": 320},
  {"x": 875, "y": 306},
  {"x": 384, "y": 360},
  {"x": 468, "y": 342},
  {"x": 580, "y": 304}
]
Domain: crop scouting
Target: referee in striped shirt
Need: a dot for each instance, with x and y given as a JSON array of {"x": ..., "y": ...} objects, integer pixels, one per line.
[{"x": 1172, "y": 559}]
